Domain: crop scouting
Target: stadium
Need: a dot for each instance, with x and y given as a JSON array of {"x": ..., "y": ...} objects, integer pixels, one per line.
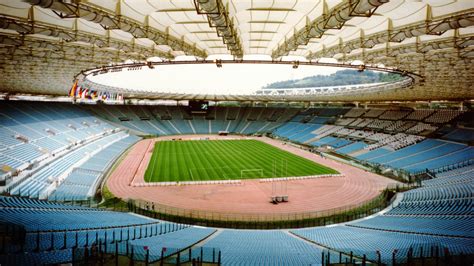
[{"x": 228, "y": 132}]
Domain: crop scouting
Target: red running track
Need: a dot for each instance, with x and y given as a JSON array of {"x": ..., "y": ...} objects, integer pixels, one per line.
[{"x": 251, "y": 197}]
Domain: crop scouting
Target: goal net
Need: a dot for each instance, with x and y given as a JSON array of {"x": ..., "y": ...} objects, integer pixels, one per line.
[{"x": 251, "y": 173}]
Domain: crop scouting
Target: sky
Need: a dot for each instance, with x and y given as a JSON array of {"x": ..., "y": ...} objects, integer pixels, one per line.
[{"x": 207, "y": 78}]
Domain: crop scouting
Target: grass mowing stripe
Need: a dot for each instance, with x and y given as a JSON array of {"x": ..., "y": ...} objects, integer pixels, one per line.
[
  {"x": 206, "y": 171},
  {"x": 248, "y": 162},
  {"x": 240, "y": 162},
  {"x": 224, "y": 159},
  {"x": 223, "y": 165},
  {"x": 270, "y": 156},
  {"x": 181, "y": 163},
  {"x": 276, "y": 159},
  {"x": 201, "y": 173},
  {"x": 300, "y": 163},
  {"x": 192, "y": 164}
]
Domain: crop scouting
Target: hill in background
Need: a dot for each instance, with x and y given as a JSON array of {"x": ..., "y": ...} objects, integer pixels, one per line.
[{"x": 341, "y": 77}]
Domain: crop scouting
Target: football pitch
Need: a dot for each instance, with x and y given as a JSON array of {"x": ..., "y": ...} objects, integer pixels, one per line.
[{"x": 199, "y": 160}]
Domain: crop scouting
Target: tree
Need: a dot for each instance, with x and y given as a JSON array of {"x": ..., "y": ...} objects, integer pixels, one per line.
[{"x": 340, "y": 78}]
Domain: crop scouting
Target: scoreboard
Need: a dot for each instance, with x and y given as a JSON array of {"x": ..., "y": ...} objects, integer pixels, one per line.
[{"x": 198, "y": 107}]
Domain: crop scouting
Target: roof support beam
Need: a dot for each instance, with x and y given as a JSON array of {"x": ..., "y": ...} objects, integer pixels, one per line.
[
  {"x": 38, "y": 46},
  {"x": 218, "y": 18},
  {"x": 331, "y": 19},
  {"x": 110, "y": 20},
  {"x": 419, "y": 47},
  {"x": 26, "y": 26},
  {"x": 434, "y": 26}
]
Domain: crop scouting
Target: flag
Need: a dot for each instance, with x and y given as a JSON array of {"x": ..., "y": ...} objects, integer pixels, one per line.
[
  {"x": 84, "y": 93},
  {"x": 77, "y": 92},
  {"x": 72, "y": 91}
]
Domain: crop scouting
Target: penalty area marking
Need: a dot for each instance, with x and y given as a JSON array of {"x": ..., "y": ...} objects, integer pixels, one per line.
[
  {"x": 259, "y": 170},
  {"x": 209, "y": 168},
  {"x": 191, "y": 174},
  {"x": 152, "y": 168}
]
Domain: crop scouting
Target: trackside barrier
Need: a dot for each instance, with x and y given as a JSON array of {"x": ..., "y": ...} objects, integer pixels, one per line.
[
  {"x": 236, "y": 219},
  {"x": 277, "y": 179},
  {"x": 238, "y": 181},
  {"x": 209, "y": 182},
  {"x": 260, "y": 220}
]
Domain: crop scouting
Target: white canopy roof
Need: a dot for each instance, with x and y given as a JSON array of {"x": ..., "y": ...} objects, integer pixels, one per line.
[{"x": 42, "y": 46}]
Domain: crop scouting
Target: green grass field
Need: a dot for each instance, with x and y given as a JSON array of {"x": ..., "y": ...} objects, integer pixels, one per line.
[{"x": 198, "y": 160}]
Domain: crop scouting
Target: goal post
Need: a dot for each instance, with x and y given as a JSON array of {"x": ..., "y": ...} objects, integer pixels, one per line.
[{"x": 251, "y": 173}]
